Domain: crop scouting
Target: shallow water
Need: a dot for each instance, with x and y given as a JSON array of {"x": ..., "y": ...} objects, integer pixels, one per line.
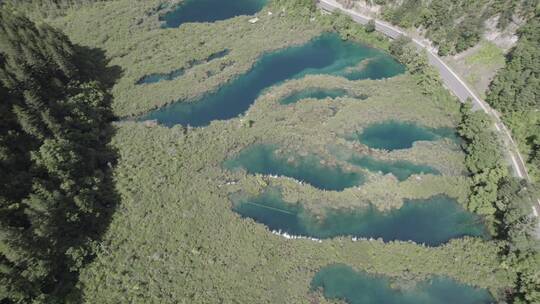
[
  {"x": 395, "y": 135},
  {"x": 400, "y": 169},
  {"x": 327, "y": 54},
  {"x": 261, "y": 159},
  {"x": 210, "y": 11},
  {"x": 154, "y": 78},
  {"x": 343, "y": 282},
  {"x": 315, "y": 93},
  {"x": 432, "y": 221}
]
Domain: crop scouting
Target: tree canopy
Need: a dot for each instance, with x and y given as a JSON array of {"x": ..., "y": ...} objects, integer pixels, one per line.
[
  {"x": 454, "y": 26},
  {"x": 515, "y": 92},
  {"x": 55, "y": 190}
]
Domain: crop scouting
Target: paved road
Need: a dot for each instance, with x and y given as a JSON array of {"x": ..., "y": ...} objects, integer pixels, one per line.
[{"x": 453, "y": 82}]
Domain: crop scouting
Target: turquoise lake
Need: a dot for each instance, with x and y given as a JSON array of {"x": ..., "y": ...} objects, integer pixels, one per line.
[
  {"x": 210, "y": 11},
  {"x": 315, "y": 93},
  {"x": 432, "y": 221},
  {"x": 395, "y": 135},
  {"x": 400, "y": 169},
  {"x": 262, "y": 159},
  {"x": 327, "y": 54},
  {"x": 344, "y": 283}
]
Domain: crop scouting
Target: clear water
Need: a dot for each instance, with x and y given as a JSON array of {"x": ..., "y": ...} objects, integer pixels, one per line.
[
  {"x": 210, "y": 11},
  {"x": 395, "y": 135},
  {"x": 262, "y": 159},
  {"x": 315, "y": 93},
  {"x": 400, "y": 169},
  {"x": 343, "y": 282},
  {"x": 327, "y": 54},
  {"x": 154, "y": 78},
  {"x": 433, "y": 221}
]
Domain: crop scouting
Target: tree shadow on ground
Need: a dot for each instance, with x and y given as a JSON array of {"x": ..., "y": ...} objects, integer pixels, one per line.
[{"x": 94, "y": 66}]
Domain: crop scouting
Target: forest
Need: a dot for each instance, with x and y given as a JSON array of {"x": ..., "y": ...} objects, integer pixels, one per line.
[
  {"x": 56, "y": 193},
  {"x": 454, "y": 26},
  {"x": 504, "y": 201},
  {"x": 515, "y": 92}
]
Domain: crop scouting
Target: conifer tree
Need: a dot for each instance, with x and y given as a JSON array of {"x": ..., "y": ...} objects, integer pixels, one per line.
[{"x": 55, "y": 191}]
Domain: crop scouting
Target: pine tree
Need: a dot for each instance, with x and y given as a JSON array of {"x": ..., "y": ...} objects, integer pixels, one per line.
[{"x": 54, "y": 159}]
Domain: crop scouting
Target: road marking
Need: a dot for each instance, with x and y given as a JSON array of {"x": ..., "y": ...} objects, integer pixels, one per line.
[
  {"x": 518, "y": 170},
  {"x": 508, "y": 135}
]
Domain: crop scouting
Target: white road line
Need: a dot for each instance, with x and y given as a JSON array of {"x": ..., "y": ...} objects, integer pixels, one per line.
[
  {"x": 518, "y": 170},
  {"x": 509, "y": 136}
]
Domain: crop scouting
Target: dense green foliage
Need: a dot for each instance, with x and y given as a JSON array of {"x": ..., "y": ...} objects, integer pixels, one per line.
[
  {"x": 453, "y": 26},
  {"x": 55, "y": 192},
  {"x": 516, "y": 227},
  {"x": 504, "y": 201},
  {"x": 515, "y": 92},
  {"x": 417, "y": 64},
  {"x": 350, "y": 30},
  {"x": 483, "y": 160},
  {"x": 517, "y": 86}
]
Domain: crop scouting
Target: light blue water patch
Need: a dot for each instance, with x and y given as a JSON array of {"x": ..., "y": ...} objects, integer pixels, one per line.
[
  {"x": 210, "y": 11},
  {"x": 395, "y": 135},
  {"x": 154, "y": 78},
  {"x": 341, "y": 282},
  {"x": 400, "y": 169},
  {"x": 432, "y": 221},
  {"x": 262, "y": 159},
  {"x": 327, "y": 54}
]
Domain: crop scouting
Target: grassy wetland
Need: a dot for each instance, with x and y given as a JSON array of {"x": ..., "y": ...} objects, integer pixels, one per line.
[{"x": 175, "y": 236}]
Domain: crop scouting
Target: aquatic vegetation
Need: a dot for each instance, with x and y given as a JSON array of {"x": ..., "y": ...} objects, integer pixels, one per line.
[
  {"x": 314, "y": 93},
  {"x": 153, "y": 78},
  {"x": 400, "y": 169}
]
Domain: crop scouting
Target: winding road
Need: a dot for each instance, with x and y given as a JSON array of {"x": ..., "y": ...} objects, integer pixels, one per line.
[{"x": 454, "y": 83}]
